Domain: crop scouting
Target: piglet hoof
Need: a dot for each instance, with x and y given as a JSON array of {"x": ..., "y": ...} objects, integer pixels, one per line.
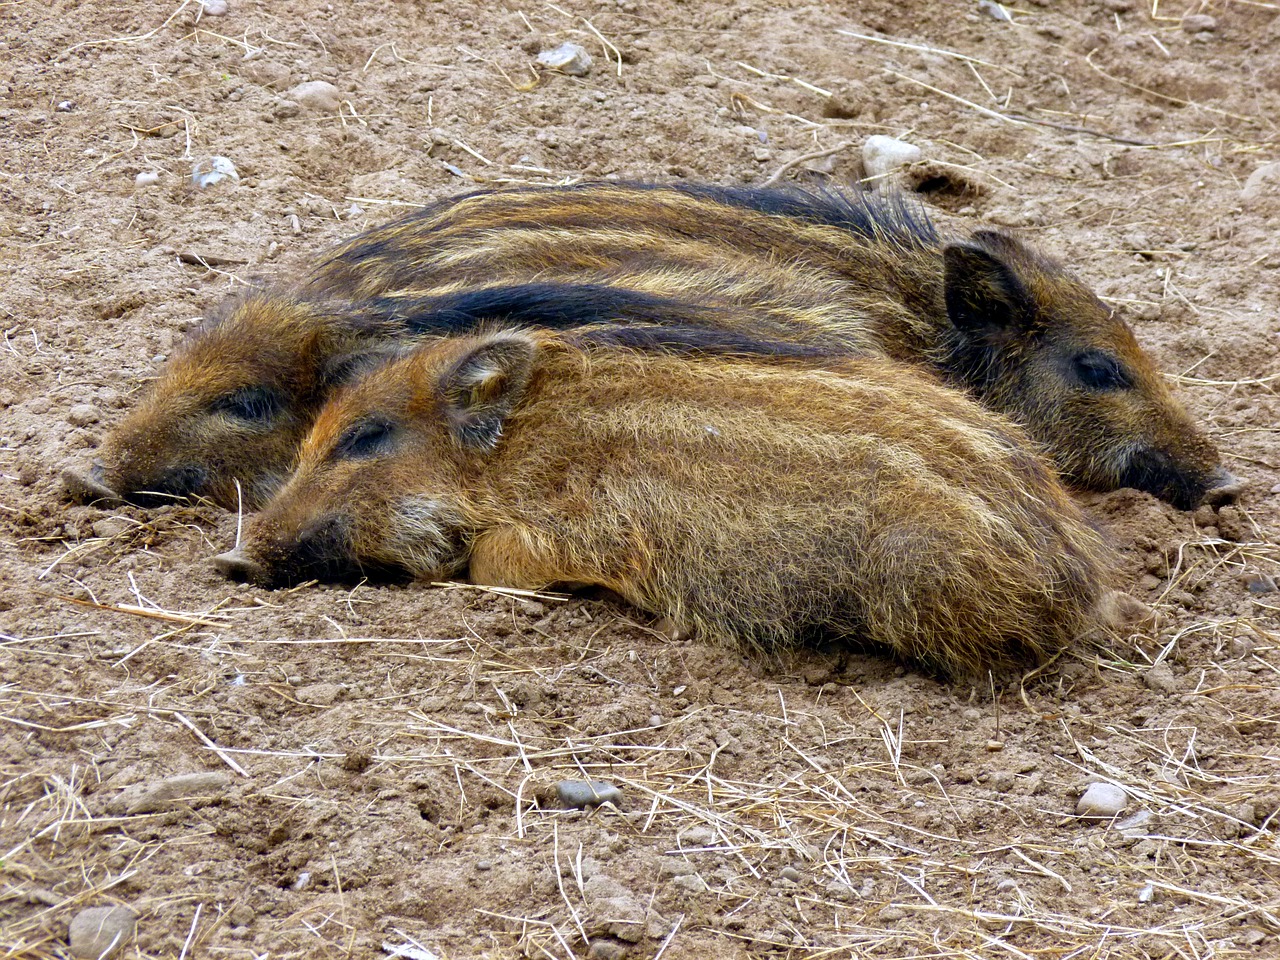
[
  {"x": 1226, "y": 489},
  {"x": 87, "y": 488},
  {"x": 234, "y": 565}
]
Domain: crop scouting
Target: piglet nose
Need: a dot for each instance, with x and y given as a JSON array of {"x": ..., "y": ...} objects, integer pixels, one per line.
[
  {"x": 1224, "y": 487},
  {"x": 88, "y": 487},
  {"x": 234, "y": 565}
]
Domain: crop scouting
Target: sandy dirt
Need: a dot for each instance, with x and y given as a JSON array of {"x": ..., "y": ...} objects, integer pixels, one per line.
[{"x": 382, "y": 761}]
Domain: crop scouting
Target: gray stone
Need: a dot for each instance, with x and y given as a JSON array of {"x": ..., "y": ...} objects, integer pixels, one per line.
[
  {"x": 567, "y": 58},
  {"x": 1199, "y": 23},
  {"x": 316, "y": 96},
  {"x": 587, "y": 793},
  {"x": 101, "y": 931},
  {"x": 792, "y": 874},
  {"x": 607, "y": 950},
  {"x": 882, "y": 155},
  {"x": 155, "y": 795},
  {"x": 1102, "y": 801},
  {"x": 995, "y": 11},
  {"x": 215, "y": 8},
  {"x": 147, "y": 178}
]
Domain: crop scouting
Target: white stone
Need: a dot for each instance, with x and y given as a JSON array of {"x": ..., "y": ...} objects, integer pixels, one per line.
[
  {"x": 881, "y": 155},
  {"x": 1102, "y": 801},
  {"x": 567, "y": 58},
  {"x": 215, "y": 8},
  {"x": 213, "y": 170},
  {"x": 147, "y": 178}
]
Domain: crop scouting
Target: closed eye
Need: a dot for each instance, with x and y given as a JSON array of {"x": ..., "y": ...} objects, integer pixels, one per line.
[
  {"x": 1100, "y": 371},
  {"x": 368, "y": 438},
  {"x": 250, "y": 404}
]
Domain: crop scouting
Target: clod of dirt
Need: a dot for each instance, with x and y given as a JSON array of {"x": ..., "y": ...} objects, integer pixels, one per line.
[
  {"x": 1161, "y": 679},
  {"x": 101, "y": 932},
  {"x": 567, "y": 58},
  {"x": 881, "y": 155},
  {"x": 1102, "y": 801},
  {"x": 316, "y": 96},
  {"x": 1199, "y": 23},
  {"x": 83, "y": 414},
  {"x": 155, "y": 795},
  {"x": 587, "y": 793},
  {"x": 1263, "y": 185}
]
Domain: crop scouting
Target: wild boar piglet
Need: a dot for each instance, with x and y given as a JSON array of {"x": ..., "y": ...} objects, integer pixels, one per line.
[{"x": 752, "y": 500}]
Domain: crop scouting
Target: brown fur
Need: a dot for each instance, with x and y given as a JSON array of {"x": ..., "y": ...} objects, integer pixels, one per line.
[
  {"x": 757, "y": 502},
  {"x": 853, "y": 272},
  {"x": 187, "y": 437},
  {"x": 838, "y": 273}
]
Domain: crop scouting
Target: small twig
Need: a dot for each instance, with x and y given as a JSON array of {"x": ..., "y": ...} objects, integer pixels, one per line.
[
  {"x": 222, "y": 754},
  {"x": 795, "y": 161}
]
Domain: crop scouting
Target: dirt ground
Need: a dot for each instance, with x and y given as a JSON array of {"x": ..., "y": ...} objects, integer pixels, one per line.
[{"x": 382, "y": 761}]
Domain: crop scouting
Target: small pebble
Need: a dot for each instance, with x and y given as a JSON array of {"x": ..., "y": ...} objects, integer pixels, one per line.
[
  {"x": 303, "y": 881},
  {"x": 883, "y": 155},
  {"x": 484, "y": 864},
  {"x": 213, "y": 170},
  {"x": 317, "y": 96},
  {"x": 215, "y": 8},
  {"x": 587, "y": 793},
  {"x": 792, "y": 874},
  {"x": 1102, "y": 801},
  {"x": 147, "y": 178},
  {"x": 567, "y": 58},
  {"x": 65, "y": 106},
  {"x": 101, "y": 932},
  {"x": 1146, "y": 894},
  {"x": 83, "y": 414},
  {"x": 1261, "y": 583},
  {"x": 655, "y": 720},
  {"x": 995, "y": 746},
  {"x": 1199, "y": 23}
]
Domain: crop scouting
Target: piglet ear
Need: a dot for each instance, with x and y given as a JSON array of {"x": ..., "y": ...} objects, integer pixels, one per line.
[
  {"x": 482, "y": 388},
  {"x": 984, "y": 295}
]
